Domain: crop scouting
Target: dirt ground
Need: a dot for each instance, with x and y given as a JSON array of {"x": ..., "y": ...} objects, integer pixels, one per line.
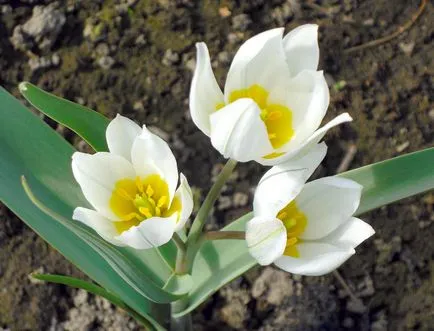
[{"x": 136, "y": 58}]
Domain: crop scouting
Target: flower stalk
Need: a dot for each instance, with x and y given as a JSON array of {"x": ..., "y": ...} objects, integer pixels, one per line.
[
  {"x": 222, "y": 235},
  {"x": 193, "y": 242}
]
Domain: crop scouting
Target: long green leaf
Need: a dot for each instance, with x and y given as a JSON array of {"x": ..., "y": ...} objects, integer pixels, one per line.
[
  {"x": 220, "y": 261},
  {"x": 394, "y": 179},
  {"x": 88, "y": 124},
  {"x": 29, "y": 147},
  {"x": 97, "y": 290}
]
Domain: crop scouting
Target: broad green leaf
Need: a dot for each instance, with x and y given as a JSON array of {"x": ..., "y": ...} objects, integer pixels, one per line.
[
  {"x": 219, "y": 262},
  {"x": 179, "y": 284},
  {"x": 97, "y": 290},
  {"x": 88, "y": 124},
  {"x": 394, "y": 179},
  {"x": 29, "y": 147}
]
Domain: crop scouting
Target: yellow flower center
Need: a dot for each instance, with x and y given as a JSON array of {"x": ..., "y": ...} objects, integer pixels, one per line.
[
  {"x": 277, "y": 118},
  {"x": 295, "y": 223},
  {"x": 134, "y": 201}
]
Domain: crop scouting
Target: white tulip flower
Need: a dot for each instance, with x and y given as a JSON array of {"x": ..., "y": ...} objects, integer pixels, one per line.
[
  {"x": 132, "y": 188},
  {"x": 307, "y": 230},
  {"x": 273, "y": 102}
]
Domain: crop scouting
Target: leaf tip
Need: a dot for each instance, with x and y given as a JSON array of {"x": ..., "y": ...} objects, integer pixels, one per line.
[{"x": 23, "y": 86}]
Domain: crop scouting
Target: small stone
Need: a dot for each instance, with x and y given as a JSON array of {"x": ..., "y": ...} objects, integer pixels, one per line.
[
  {"x": 106, "y": 62},
  {"x": 223, "y": 57},
  {"x": 273, "y": 286},
  {"x": 55, "y": 59},
  {"x": 102, "y": 49},
  {"x": 241, "y": 22},
  {"x": 224, "y": 12},
  {"x": 6, "y": 9},
  {"x": 348, "y": 323},
  {"x": 356, "y": 307},
  {"x": 234, "y": 38},
  {"x": 224, "y": 202},
  {"x": 39, "y": 63},
  {"x": 191, "y": 64},
  {"x": 400, "y": 148},
  {"x": 80, "y": 298},
  {"x": 240, "y": 199},
  {"x": 170, "y": 58},
  {"x": 140, "y": 40},
  {"x": 42, "y": 29},
  {"x": 368, "y": 22},
  {"x": 139, "y": 106},
  {"x": 431, "y": 114},
  {"x": 407, "y": 48}
]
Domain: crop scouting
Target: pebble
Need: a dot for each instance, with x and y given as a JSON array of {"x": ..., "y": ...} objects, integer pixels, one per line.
[
  {"x": 140, "y": 40},
  {"x": 356, "y": 307},
  {"x": 400, "y": 148},
  {"x": 42, "y": 29},
  {"x": 45, "y": 62},
  {"x": 170, "y": 58},
  {"x": 106, "y": 62},
  {"x": 241, "y": 22},
  {"x": 368, "y": 22},
  {"x": 240, "y": 199},
  {"x": 224, "y": 202},
  {"x": 407, "y": 48}
]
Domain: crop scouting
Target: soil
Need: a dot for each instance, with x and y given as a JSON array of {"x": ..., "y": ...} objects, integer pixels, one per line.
[{"x": 136, "y": 58}]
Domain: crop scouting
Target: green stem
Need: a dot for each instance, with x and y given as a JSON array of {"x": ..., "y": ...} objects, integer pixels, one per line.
[
  {"x": 202, "y": 215},
  {"x": 221, "y": 235},
  {"x": 183, "y": 323}
]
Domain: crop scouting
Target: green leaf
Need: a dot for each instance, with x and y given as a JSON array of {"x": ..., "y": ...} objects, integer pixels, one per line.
[
  {"x": 30, "y": 148},
  {"x": 220, "y": 261},
  {"x": 88, "y": 124},
  {"x": 217, "y": 263},
  {"x": 179, "y": 284},
  {"x": 97, "y": 290},
  {"x": 394, "y": 179},
  {"x": 79, "y": 283}
]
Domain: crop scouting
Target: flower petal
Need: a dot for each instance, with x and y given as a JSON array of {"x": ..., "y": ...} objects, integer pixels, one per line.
[
  {"x": 308, "y": 98},
  {"x": 266, "y": 239},
  {"x": 102, "y": 225},
  {"x": 238, "y": 132},
  {"x": 120, "y": 135},
  {"x": 184, "y": 194},
  {"x": 304, "y": 147},
  {"x": 315, "y": 259},
  {"x": 153, "y": 232},
  {"x": 260, "y": 61},
  {"x": 327, "y": 203},
  {"x": 151, "y": 154},
  {"x": 97, "y": 174},
  {"x": 301, "y": 48},
  {"x": 350, "y": 234},
  {"x": 282, "y": 183},
  {"x": 205, "y": 94}
]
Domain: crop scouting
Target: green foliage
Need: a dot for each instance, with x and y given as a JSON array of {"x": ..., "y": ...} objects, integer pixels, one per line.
[{"x": 88, "y": 124}]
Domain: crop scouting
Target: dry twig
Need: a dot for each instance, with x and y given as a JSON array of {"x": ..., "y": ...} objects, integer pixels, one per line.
[{"x": 385, "y": 39}]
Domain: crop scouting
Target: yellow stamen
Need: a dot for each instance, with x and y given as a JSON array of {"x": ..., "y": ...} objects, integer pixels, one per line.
[
  {"x": 277, "y": 117},
  {"x": 295, "y": 222},
  {"x": 132, "y": 203}
]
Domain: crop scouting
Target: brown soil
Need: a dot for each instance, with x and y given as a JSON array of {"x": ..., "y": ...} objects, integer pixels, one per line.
[{"x": 388, "y": 90}]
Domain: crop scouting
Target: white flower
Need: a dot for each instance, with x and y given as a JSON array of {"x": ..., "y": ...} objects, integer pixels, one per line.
[
  {"x": 132, "y": 188},
  {"x": 306, "y": 230},
  {"x": 274, "y": 99}
]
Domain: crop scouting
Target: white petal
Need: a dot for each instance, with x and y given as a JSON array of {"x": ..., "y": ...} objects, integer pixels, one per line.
[
  {"x": 301, "y": 48},
  {"x": 313, "y": 140},
  {"x": 184, "y": 194},
  {"x": 153, "y": 232},
  {"x": 260, "y": 60},
  {"x": 205, "y": 94},
  {"x": 282, "y": 183},
  {"x": 120, "y": 135},
  {"x": 266, "y": 239},
  {"x": 97, "y": 174},
  {"x": 102, "y": 225},
  {"x": 350, "y": 234},
  {"x": 151, "y": 154},
  {"x": 327, "y": 203},
  {"x": 238, "y": 132},
  {"x": 308, "y": 98},
  {"x": 315, "y": 259}
]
